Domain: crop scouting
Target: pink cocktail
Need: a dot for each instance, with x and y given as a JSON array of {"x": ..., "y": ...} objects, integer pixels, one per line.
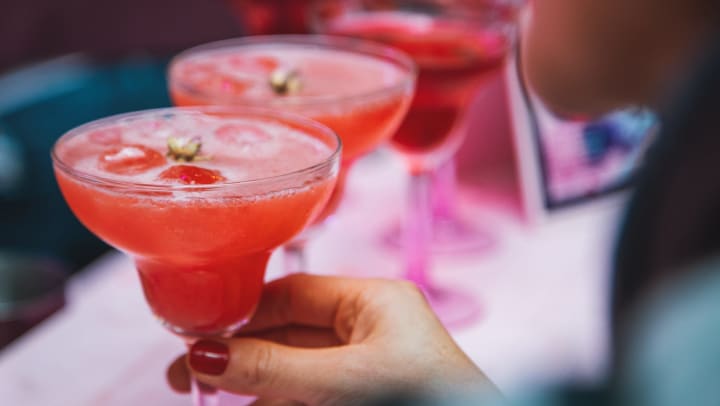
[
  {"x": 458, "y": 46},
  {"x": 198, "y": 198},
  {"x": 359, "y": 89},
  {"x": 454, "y": 58}
]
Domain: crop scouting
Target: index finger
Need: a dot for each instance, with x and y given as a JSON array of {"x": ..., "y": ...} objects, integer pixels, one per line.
[{"x": 302, "y": 299}]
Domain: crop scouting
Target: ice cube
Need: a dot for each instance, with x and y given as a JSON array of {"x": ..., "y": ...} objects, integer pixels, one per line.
[
  {"x": 106, "y": 136},
  {"x": 242, "y": 134},
  {"x": 130, "y": 159}
]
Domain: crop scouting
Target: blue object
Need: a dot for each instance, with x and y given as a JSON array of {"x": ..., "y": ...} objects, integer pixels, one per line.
[
  {"x": 626, "y": 130},
  {"x": 598, "y": 139},
  {"x": 37, "y": 105}
]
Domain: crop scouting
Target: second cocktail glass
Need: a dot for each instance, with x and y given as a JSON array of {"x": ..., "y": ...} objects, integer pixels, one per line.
[
  {"x": 199, "y": 203},
  {"x": 359, "y": 89},
  {"x": 458, "y": 45}
]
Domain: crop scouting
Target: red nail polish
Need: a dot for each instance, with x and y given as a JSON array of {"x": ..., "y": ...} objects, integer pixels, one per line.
[{"x": 209, "y": 357}]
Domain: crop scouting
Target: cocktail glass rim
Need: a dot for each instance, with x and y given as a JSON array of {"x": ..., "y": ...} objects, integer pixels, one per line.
[
  {"x": 463, "y": 12},
  {"x": 232, "y": 112},
  {"x": 203, "y": 394},
  {"x": 321, "y": 41}
]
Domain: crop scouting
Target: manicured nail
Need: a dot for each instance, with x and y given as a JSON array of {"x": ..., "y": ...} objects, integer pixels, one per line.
[{"x": 209, "y": 357}]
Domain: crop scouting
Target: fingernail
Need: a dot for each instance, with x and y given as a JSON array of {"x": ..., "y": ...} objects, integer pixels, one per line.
[{"x": 209, "y": 357}]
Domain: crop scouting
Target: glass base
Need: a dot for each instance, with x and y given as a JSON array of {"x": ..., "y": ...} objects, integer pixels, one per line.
[
  {"x": 449, "y": 235},
  {"x": 455, "y": 308}
]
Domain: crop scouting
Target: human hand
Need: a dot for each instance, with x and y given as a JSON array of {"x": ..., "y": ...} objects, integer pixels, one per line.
[{"x": 326, "y": 340}]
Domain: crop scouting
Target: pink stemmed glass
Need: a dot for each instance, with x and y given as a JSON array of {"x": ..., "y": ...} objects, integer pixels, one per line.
[{"x": 457, "y": 45}]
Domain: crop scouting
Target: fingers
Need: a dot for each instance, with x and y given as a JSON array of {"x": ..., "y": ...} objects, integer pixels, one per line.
[
  {"x": 297, "y": 336},
  {"x": 271, "y": 370},
  {"x": 178, "y": 375},
  {"x": 303, "y": 299}
]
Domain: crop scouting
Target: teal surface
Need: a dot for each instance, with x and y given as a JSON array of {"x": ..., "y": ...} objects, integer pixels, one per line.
[{"x": 37, "y": 105}]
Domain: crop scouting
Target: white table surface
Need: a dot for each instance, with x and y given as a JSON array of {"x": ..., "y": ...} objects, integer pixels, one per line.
[{"x": 543, "y": 288}]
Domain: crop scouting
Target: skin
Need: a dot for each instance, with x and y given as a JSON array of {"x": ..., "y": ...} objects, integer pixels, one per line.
[
  {"x": 587, "y": 57},
  {"x": 329, "y": 341},
  {"x": 323, "y": 340}
]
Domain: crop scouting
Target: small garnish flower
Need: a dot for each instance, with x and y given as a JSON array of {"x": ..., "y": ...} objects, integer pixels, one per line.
[
  {"x": 285, "y": 81},
  {"x": 184, "y": 149}
]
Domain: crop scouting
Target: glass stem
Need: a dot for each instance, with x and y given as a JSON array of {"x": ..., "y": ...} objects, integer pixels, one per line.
[
  {"x": 444, "y": 193},
  {"x": 202, "y": 394},
  {"x": 417, "y": 230},
  {"x": 294, "y": 255}
]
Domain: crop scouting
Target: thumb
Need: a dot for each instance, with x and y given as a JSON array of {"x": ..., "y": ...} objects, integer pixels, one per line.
[{"x": 267, "y": 369}]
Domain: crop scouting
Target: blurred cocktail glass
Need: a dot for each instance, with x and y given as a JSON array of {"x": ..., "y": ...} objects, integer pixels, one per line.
[
  {"x": 457, "y": 46},
  {"x": 262, "y": 17},
  {"x": 198, "y": 198},
  {"x": 359, "y": 89}
]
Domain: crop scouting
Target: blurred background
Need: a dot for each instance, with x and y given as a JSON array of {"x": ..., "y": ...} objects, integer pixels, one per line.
[{"x": 64, "y": 63}]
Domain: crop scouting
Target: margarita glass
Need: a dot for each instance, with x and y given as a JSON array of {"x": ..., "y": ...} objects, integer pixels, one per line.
[
  {"x": 359, "y": 89},
  {"x": 457, "y": 45},
  {"x": 199, "y": 198}
]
